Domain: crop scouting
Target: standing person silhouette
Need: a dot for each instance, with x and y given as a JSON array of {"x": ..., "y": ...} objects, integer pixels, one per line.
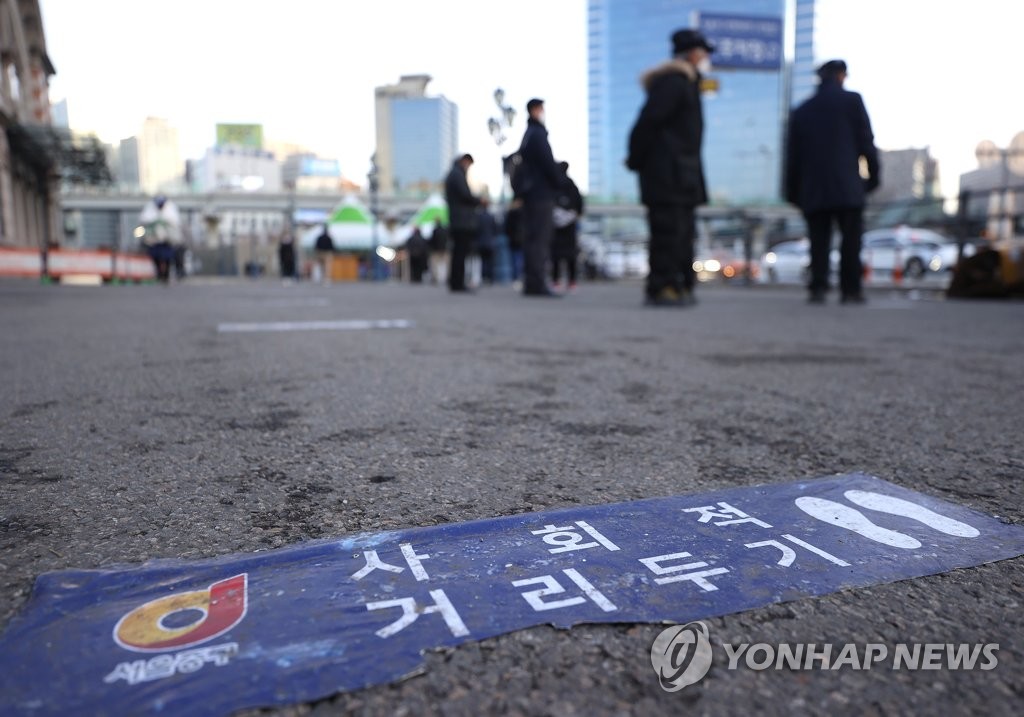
[
  {"x": 565, "y": 245},
  {"x": 665, "y": 151},
  {"x": 540, "y": 182},
  {"x": 829, "y": 135},
  {"x": 463, "y": 220}
]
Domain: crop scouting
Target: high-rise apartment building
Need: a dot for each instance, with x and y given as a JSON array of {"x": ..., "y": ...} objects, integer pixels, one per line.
[
  {"x": 417, "y": 136},
  {"x": 765, "y": 58}
]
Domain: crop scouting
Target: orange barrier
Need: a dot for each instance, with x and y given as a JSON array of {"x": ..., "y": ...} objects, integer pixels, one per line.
[
  {"x": 66, "y": 262},
  {"x": 897, "y": 267}
]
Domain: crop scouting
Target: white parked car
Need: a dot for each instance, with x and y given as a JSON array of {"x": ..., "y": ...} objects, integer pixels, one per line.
[
  {"x": 787, "y": 262},
  {"x": 624, "y": 260},
  {"x": 916, "y": 252}
]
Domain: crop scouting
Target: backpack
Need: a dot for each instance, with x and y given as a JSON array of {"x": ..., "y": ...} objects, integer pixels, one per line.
[{"x": 516, "y": 173}]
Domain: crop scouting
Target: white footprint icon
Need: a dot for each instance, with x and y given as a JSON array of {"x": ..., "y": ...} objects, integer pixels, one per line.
[
  {"x": 844, "y": 516},
  {"x": 898, "y": 506}
]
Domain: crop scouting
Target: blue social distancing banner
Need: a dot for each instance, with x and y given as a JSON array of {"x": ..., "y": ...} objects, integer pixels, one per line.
[{"x": 304, "y": 622}]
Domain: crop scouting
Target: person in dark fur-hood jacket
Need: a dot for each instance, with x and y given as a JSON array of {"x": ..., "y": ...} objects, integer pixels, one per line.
[{"x": 665, "y": 152}]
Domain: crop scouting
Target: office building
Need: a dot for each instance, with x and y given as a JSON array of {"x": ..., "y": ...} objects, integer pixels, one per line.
[
  {"x": 59, "y": 114},
  {"x": 305, "y": 172},
  {"x": 127, "y": 169},
  {"x": 907, "y": 174},
  {"x": 803, "y": 78},
  {"x": 160, "y": 167},
  {"x": 994, "y": 192},
  {"x": 235, "y": 168},
  {"x": 417, "y": 136},
  {"x": 764, "y": 61},
  {"x": 30, "y": 150}
]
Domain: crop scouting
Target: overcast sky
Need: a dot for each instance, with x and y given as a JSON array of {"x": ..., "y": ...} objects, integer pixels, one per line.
[{"x": 933, "y": 72}]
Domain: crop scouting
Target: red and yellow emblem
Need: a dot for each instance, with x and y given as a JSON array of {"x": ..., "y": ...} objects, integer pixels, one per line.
[{"x": 217, "y": 609}]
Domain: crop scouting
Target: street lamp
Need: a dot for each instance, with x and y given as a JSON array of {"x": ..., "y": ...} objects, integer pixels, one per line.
[
  {"x": 373, "y": 182},
  {"x": 497, "y": 126}
]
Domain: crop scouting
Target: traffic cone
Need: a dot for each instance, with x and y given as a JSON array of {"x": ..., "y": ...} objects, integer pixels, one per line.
[{"x": 897, "y": 268}]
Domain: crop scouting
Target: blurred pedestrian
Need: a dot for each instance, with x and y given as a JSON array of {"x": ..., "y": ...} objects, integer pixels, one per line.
[
  {"x": 665, "y": 151},
  {"x": 463, "y": 219},
  {"x": 438, "y": 253},
  {"x": 180, "y": 252},
  {"x": 829, "y": 135},
  {"x": 286, "y": 256},
  {"x": 418, "y": 250},
  {"x": 486, "y": 244},
  {"x": 161, "y": 221},
  {"x": 514, "y": 234},
  {"x": 565, "y": 245},
  {"x": 324, "y": 255},
  {"x": 538, "y": 181}
]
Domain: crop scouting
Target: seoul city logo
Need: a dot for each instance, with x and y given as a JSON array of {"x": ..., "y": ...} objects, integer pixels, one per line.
[
  {"x": 184, "y": 620},
  {"x": 681, "y": 655}
]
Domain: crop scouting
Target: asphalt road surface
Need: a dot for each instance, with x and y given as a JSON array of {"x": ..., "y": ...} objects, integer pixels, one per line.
[{"x": 132, "y": 429}]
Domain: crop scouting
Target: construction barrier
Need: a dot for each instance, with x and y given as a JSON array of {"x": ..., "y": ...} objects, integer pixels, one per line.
[
  {"x": 62, "y": 263},
  {"x": 897, "y": 267}
]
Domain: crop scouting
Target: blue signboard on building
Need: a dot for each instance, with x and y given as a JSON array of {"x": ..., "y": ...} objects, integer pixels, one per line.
[
  {"x": 301, "y": 623},
  {"x": 743, "y": 42}
]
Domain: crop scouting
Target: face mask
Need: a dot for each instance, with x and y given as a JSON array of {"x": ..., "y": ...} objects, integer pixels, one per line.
[
  {"x": 704, "y": 66},
  {"x": 541, "y": 117}
]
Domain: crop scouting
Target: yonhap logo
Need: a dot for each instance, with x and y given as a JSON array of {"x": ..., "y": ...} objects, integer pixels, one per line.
[{"x": 681, "y": 655}]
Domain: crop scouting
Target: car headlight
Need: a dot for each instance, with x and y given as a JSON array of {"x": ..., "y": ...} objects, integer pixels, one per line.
[
  {"x": 698, "y": 266},
  {"x": 770, "y": 258},
  {"x": 712, "y": 265},
  {"x": 935, "y": 264}
]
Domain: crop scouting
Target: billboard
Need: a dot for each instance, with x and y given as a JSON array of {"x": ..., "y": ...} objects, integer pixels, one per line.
[
  {"x": 744, "y": 42},
  {"x": 240, "y": 135},
  {"x": 315, "y": 167}
]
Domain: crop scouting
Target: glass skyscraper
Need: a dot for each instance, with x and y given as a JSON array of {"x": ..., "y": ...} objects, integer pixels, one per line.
[
  {"x": 424, "y": 136},
  {"x": 745, "y": 116},
  {"x": 417, "y": 136}
]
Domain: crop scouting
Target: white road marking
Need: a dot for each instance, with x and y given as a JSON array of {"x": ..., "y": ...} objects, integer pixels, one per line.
[{"x": 345, "y": 325}]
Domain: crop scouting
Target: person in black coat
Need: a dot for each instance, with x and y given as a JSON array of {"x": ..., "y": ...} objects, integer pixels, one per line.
[
  {"x": 829, "y": 134},
  {"x": 462, "y": 220},
  {"x": 565, "y": 247},
  {"x": 665, "y": 151},
  {"x": 418, "y": 249},
  {"x": 438, "y": 257},
  {"x": 513, "y": 227},
  {"x": 539, "y": 184},
  {"x": 286, "y": 256},
  {"x": 486, "y": 243},
  {"x": 324, "y": 254}
]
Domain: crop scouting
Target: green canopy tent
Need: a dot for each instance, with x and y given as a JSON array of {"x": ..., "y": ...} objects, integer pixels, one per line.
[
  {"x": 350, "y": 226},
  {"x": 434, "y": 209}
]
